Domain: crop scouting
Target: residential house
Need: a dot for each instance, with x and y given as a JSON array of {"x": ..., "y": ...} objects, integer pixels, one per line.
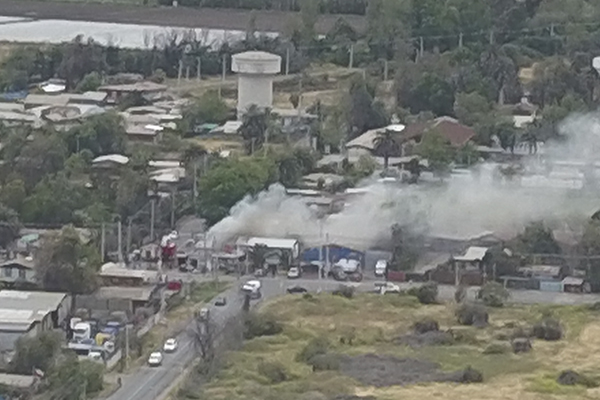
[
  {"x": 17, "y": 271},
  {"x": 148, "y": 90},
  {"x": 455, "y": 133},
  {"x": 112, "y": 274}
]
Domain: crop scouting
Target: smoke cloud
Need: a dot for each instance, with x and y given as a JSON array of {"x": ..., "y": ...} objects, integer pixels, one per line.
[{"x": 465, "y": 205}]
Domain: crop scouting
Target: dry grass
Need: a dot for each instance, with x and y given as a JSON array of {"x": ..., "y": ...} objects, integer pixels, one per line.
[{"x": 376, "y": 320}]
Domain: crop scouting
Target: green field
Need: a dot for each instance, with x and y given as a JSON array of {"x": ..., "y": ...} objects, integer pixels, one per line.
[{"x": 375, "y": 321}]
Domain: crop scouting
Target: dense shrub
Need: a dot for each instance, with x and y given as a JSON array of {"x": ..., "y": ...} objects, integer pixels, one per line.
[
  {"x": 275, "y": 372},
  {"x": 570, "y": 377},
  {"x": 325, "y": 362},
  {"x": 497, "y": 348},
  {"x": 427, "y": 293},
  {"x": 470, "y": 375},
  {"x": 460, "y": 294},
  {"x": 472, "y": 314},
  {"x": 548, "y": 329},
  {"x": 464, "y": 336},
  {"x": 344, "y": 291},
  {"x": 493, "y": 294},
  {"x": 521, "y": 345},
  {"x": 261, "y": 325},
  {"x": 316, "y": 347},
  {"x": 426, "y": 325}
]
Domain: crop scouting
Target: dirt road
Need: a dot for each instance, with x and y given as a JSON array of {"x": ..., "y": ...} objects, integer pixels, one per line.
[{"x": 267, "y": 21}]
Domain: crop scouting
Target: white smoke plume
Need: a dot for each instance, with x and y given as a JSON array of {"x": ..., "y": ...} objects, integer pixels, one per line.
[{"x": 463, "y": 206}]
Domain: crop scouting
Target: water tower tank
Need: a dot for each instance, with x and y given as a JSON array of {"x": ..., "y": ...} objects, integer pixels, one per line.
[{"x": 256, "y": 70}]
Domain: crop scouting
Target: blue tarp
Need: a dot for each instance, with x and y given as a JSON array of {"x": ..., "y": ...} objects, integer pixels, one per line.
[
  {"x": 335, "y": 253},
  {"x": 11, "y": 96}
]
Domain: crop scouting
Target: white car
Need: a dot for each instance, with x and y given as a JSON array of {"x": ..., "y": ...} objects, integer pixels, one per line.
[
  {"x": 155, "y": 359},
  {"x": 170, "y": 345},
  {"x": 387, "y": 287},
  {"x": 293, "y": 273},
  {"x": 251, "y": 286},
  {"x": 381, "y": 267}
]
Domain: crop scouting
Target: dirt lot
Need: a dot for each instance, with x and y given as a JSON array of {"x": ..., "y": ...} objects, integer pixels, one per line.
[{"x": 272, "y": 21}]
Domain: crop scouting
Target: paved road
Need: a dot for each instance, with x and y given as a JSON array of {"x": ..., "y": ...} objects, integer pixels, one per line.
[{"x": 149, "y": 383}]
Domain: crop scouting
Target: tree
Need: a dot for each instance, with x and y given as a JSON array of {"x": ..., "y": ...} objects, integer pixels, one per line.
[
  {"x": 101, "y": 134},
  {"x": 469, "y": 108},
  {"x": 229, "y": 181},
  {"x": 437, "y": 151},
  {"x": 537, "y": 239},
  {"x": 493, "y": 294},
  {"x": 12, "y": 194},
  {"x": 89, "y": 83},
  {"x": 432, "y": 93},
  {"x": 258, "y": 254},
  {"x": 35, "y": 352},
  {"x": 295, "y": 100},
  {"x": 73, "y": 379},
  {"x": 209, "y": 108},
  {"x": 55, "y": 200},
  {"x": 41, "y": 157},
  {"x": 386, "y": 146},
  {"x": 362, "y": 112},
  {"x": 67, "y": 264},
  {"x": 293, "y": 164},
  {"x": 9, "y": 225},
  {"x": 254, "y": 126}
]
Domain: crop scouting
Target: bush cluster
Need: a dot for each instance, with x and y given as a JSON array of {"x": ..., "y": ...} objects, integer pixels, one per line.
[
  {"x": 344, "y": 291},
  {"x": 472, "y": 314},
  {"x": 261, "y": 325},
  {"x": 275, "y": 372},
  {"x": 548, "y": 329},
  {"x": 427, "y": 293}
]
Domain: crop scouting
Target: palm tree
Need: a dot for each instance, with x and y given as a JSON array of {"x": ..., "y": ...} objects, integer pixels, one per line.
[
  {"x": 254, "y": 126},
  {"x": 386, "y": 146}
]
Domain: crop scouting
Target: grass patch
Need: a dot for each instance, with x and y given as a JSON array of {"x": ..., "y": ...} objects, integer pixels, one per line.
[{"x": 370, "y": 323}]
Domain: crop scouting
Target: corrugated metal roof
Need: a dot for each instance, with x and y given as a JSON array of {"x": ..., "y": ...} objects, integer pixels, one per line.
[
  {"x": 116, "y": 158},
  {"x": 273, "y": 243},
  {"x": 19, "y": 307},
  {"x": 473, "y": 253}
]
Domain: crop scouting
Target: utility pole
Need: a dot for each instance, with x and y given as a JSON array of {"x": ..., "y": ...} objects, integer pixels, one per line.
[
  {"x": 126, "y": 345},
  {"x": 128, "y": 244},
  {"x": 187, "y": 73},
  {"x": 120, "y": 241},
  {"x": 327, "y": 252},
  {"x": 195, "y": 192},
  {"x": 199, "y": 70},
  {"x": 421, "y": 47},
  {"x": 351, "y": 62},
  {"x": 173, "y": 208},
  {"x": 103, "y": 242},
  {"x": 223, "y": 74},
  {"x": 287, "y": 60},
  {"x": 385, "y": 70},
  {"x": 491, "y": 37},
  {"x": 180, "y": 72},
  {"x": 460, "y": 40},
  {"x": 321, "y": 261},
  {"x": 152, "y": 201}
]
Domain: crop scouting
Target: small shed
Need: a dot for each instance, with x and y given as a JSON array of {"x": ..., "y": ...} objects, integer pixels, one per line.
[{"x": 575, "y": 285}]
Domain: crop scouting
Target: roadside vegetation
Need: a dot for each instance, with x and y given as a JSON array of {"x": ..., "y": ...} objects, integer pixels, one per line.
[{"x": 334, "y": 345}]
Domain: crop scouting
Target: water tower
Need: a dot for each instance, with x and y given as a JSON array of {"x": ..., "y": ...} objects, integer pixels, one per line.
[{"x": 256, "y": 70}]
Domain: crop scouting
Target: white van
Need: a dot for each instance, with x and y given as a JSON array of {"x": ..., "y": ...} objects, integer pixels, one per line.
[{"x": 381, "y": 267}]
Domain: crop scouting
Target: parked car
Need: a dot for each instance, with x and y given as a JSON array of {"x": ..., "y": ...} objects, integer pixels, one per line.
[
  {"x": 293, "y": 273},
  {"x": 296, "y": 289},
  {"x": 387, "y": 287},
  {"x": 381, "y": 267},
  {"x": 155, "y": 359},
  {"x": 220, "y": 301},
  {"x": 170, "y": 345}
]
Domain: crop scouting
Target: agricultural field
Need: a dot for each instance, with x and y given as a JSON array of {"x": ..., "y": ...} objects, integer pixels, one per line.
[{"x": 367, "y": 346}]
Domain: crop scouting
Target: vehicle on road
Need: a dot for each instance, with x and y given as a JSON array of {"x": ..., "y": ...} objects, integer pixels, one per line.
[
  {"x": 82, "y": 331},
  {"x": 296, "y": 289},
  {"x": 381, "y": 267},
  {"x": 220, "y": 301},
  {"x": 386, "y": 287},
  {"x": 293, "y": 273},
  {"x": 204, "y": 314},
  {"x": 155, "y": 359},
  {"x": 170, "y": 345},
  {"x": 251, "y": 286}
]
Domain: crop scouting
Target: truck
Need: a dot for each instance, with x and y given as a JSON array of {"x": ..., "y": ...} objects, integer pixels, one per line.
[{"x": 82, "y": 331}]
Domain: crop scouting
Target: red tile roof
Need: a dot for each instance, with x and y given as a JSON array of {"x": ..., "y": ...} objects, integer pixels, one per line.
[{"x": 453, "y": 131}]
